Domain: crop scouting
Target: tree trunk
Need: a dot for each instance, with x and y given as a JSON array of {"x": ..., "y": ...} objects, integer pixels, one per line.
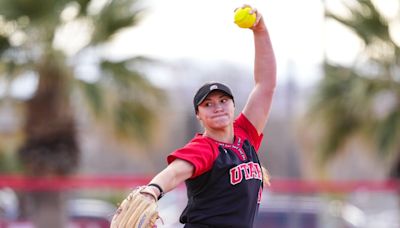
[
  {"x": 50, "y": 147},
  {"x": 47, "y": 209}
]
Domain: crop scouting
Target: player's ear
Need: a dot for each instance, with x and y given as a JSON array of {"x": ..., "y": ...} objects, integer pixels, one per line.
[{"x": 199, "y": 119}]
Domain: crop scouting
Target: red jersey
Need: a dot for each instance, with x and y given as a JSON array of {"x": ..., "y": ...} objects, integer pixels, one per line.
[{"x": 225, "y": 188}]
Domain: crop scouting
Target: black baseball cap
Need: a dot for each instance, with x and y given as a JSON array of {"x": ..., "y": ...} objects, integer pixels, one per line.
[{"x": 206, "y": 89}]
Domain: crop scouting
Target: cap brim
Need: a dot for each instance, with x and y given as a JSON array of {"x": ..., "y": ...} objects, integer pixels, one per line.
[{"x": 208, "y": 93}]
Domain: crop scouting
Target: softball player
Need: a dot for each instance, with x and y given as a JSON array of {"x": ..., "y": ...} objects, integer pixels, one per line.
[{"x": 220, "y": 166}]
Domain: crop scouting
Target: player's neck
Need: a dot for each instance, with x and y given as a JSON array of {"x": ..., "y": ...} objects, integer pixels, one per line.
[{"x": 225, "y": 135}]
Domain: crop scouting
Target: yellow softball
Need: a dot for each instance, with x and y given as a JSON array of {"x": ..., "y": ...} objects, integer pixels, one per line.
[{"x": 243, "y": 17}]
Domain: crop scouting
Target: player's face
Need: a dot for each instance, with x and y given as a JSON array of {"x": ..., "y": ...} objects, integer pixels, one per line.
[{"x": 216, "y": 111}]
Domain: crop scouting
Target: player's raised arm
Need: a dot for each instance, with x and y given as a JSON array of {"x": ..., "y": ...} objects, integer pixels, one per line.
[{"x": 259, "y": 101}]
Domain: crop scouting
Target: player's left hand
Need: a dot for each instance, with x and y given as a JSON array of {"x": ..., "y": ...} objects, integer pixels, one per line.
[{"x": 138, "y": 210}]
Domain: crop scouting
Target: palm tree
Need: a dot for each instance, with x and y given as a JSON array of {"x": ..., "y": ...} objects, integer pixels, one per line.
[
  {"x": 362, "y": 100},
  {"x": 34, "y": 41}
]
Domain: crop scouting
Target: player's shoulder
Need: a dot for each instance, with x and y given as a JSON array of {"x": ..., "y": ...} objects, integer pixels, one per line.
[
  {"x": 240, "y": 124},
  {"x": 200, "y": 141},
  {"x": 241, "y": 119},
  {"x": 244, "y": 129},
  {"x": 198, "y": 147}
]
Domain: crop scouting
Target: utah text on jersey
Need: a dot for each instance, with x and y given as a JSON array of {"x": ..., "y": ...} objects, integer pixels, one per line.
[{"x": 248, "y": 170}]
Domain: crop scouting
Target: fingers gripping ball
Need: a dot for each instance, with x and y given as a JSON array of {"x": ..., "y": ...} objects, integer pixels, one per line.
[
  {"x": 136, "y": 211},
  {"x": 244, "y": 18}
]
